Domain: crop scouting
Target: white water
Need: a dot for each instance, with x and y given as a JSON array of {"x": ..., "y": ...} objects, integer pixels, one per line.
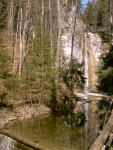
[
  {"x": 86, "y": 89},
  {"x": 86, "y": 110},
  {"x": 7, "y": 144},
  {"x": 86, "y": 67}
]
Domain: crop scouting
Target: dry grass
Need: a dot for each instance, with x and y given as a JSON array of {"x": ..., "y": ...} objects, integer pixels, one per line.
[
  {"x": 23, "y": 112},
  {"x": 6, "y": 114}
]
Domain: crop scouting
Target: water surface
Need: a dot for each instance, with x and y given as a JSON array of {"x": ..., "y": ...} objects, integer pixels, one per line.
[{"x": 60, "y": 132}]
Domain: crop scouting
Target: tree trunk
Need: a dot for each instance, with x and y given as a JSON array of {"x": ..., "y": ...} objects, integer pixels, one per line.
[
  {"x": 24, "y": 31},
  {"x": 100, "y": 141},
  {"x": 15, "y": 44},
  {"x": 72, "y": 45},
  {"x": 22, "y": 140},
  {"x": 42, "y": 15},
  {"x": 50, "y": 23},
  {"x": 110, "y": 24},
  {"x": 20, "y": 67},
  {"x": 58, "y": 34},
  {"x": 12, "y": 23},
  {"x": 42, "y": 78},
  {"x": 8, "y": 17},
  {"x": 30, "y": 86}
]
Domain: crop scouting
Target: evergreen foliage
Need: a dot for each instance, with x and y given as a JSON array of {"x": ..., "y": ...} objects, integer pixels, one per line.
[
  {"x": 2, "y": 14},
  {"x": 5, "y": 61},
  {"x": 96, "y": 17},
  {"x": 34, "y": 58},
  {"x": 88, "y": 16},
  {"x": 5, "y": 68},
  {"x": 39, "y": 71},
  {"x": 76, "y": 76},
  {"x": 12, "y": 85},
  {"x": 106, "y": 74}
]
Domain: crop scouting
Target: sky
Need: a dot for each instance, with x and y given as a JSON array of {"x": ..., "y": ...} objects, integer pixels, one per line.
[{"x": 84, "y": 2}]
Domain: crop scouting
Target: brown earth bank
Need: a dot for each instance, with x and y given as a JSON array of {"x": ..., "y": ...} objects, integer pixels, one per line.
[{"x": 8, "y": 114}]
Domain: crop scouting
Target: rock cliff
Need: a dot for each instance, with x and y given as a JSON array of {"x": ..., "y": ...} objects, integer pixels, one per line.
[{"x": 92, "y": 42}]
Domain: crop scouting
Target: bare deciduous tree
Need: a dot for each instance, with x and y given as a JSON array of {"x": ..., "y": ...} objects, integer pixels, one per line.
[{"x": 72, "y": 40}]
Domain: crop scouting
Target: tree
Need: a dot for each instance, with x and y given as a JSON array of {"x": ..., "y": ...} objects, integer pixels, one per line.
[
  {"x": 106, "y": 74},
  {"x": 58, "y": 33},
  {"x": 20, "y": 62},
  {"x": 2, "y": 14},
  {"x": 96, "y": 15},
  {"x": 90, "y": 15},
  {"x": 15, "y": 49},
  {"x": 39, "y": 70},
  {"x": 76, "y": 76},
  {"x": 5, "y": 63},
  {"x": 111, "y": 22},
  {"x": 72, "y": 45},
  {"x": 5, "y": 69},
  {"x": 37, "y": 55},
  {"x": 12, "y": 85}
]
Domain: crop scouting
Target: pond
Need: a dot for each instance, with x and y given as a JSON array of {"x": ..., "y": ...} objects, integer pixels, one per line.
[{"x": 59, "y": 132}]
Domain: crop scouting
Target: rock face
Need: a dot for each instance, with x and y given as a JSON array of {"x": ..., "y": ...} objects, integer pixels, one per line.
[
  {"x": 95, "y": 49},
  {"x": 78, "y": 39},
  {"x": 82, "y": 40}
]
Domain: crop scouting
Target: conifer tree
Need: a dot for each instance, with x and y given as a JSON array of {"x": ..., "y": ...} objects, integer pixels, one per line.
[
  {"x": 5, "y": 68},
  {"x": 39, "y": 71},
  {"x": 2, "y": 14}
]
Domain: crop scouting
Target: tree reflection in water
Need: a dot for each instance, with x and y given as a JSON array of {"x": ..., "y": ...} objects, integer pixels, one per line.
[{"x": 67, "y": 131}]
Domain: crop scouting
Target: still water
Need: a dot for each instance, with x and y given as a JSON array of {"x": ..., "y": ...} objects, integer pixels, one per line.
[{"x": 59, "y": 132}]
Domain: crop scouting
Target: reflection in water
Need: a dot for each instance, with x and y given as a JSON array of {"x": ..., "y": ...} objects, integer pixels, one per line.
[
  {"x": 53, "y": 131},
  {"x": 86, "y": 110},
  {"x": 60, "y": 132}
]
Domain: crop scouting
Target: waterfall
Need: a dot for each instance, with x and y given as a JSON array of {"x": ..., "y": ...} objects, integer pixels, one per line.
[
  {"x": 7, "y": 144},
  {"x": 86, "y": 67}
]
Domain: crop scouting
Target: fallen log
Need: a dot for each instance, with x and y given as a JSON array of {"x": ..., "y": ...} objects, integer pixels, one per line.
[
  {"x": 100, "y": 141},
  {"x": 22, "y": 140}
]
